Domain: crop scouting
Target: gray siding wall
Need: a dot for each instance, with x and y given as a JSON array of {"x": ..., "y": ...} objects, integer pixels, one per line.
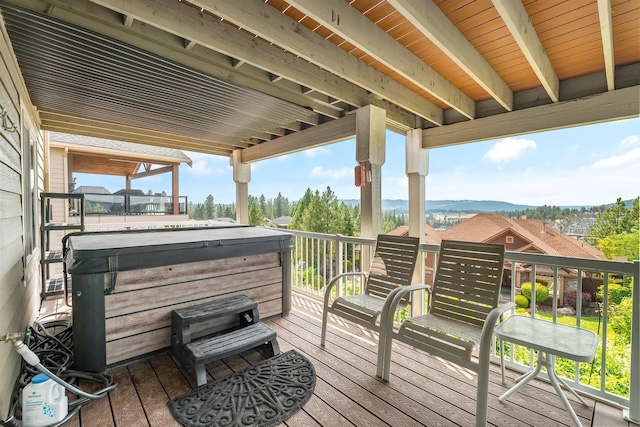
[{"x": 19, "y": 271}]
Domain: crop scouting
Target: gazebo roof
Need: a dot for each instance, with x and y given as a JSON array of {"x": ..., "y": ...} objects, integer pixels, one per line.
[{"x": 109, "y": 157}]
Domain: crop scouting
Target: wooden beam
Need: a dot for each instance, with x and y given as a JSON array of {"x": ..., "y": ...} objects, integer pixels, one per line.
[
  {"x": 367, "y": 36},
  {"x": 606, "y": 31},
  {"x": 265, "y": 21},
  {"x": 327, "y": 133},
  {"x": 128, "y": 20},
  {"x": 614, "y": 105},
  {"x": 517, "y": 20},
  {"x": 152, "y": 172},
  {"x": 189, "y": 44},
  {"x": 56, "y": 122},
  {"x": 186, "y": 22},
  {"x": 427, "y": 17}
]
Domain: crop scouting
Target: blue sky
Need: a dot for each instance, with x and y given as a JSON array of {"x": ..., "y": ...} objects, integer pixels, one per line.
[{"x": 588, "y": 165}]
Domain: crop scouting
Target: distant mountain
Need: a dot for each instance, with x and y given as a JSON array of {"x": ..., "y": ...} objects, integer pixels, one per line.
[
  {"x": 402, "y": 206},
  {"x": 469, "y": 206}
]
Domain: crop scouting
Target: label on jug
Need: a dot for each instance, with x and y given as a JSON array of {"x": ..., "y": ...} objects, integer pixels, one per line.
[{"x": 44, "y": 402}]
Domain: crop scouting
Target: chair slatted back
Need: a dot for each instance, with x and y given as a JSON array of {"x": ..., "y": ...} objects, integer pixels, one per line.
[
  {"x": 467, "y": 283},
  {"x": 393, "y": 264}
]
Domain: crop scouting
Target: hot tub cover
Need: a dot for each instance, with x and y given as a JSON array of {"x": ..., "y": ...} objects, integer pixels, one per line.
[{"x": 101, "y": 252}]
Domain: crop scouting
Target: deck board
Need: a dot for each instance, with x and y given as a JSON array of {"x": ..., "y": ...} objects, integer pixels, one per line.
[{"x": 422, "y": 391}]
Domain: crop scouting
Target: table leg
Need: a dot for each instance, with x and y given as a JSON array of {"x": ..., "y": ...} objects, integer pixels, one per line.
[
  {"x": 524, "y": 379},
  {"x": 551, "y": 370},
  {"x": 568, "y": 387}
]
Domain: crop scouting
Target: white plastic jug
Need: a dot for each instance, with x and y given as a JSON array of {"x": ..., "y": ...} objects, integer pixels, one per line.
[{"x": 44, "y": 402}]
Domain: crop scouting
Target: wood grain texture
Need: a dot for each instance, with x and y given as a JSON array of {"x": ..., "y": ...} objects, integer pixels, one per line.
[
  {"x": 423, "y": 390},
  {"x": 152, "y": 395}
]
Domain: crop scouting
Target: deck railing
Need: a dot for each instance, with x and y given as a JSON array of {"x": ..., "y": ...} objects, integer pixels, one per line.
[
  {"x": 614, "y": 375},
  {"x": 125, "y": 204}
]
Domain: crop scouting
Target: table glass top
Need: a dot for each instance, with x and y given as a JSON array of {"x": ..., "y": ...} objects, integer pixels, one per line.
[{"x": 552, "y": 338}]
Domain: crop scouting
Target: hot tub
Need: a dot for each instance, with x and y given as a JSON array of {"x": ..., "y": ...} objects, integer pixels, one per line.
[{"x": 125, "y": 284}]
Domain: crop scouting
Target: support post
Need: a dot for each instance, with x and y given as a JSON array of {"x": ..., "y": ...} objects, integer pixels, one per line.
[
  {"x": 417, "y": 168},
  {"x": 241, "y": 176},
  {"x": 370, "y": 154},
  {"x": 175, "y": 188}
]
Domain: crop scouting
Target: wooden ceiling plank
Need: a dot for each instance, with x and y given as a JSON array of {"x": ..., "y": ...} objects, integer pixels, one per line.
[
  {"x": 517, "y": 20},
  {"x": 606, "y": 30},
  {"x": 432, "y": 22},
  {"x": 358, "y": 30},
  {"x": 260, "y": 19}
]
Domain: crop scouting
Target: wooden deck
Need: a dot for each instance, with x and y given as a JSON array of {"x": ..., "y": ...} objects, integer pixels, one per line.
[{"x": 423, "y": 390}]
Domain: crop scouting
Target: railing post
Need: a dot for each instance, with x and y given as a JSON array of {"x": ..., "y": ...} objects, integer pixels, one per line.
[
  {"x": 633, "y": 413},
  {"x": 338, "y": 256}
]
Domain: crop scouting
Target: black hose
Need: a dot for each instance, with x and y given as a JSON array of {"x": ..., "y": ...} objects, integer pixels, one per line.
[{"x": 55, "y": 352}]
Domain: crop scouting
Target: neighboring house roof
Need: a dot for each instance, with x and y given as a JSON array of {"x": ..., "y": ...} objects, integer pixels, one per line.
[
  {"x": 431, "y": 236},
  {"x": 281, "y": 221},
  {"x": 92, "y": 189},
  {"x": 89, "y": 144},
  {"x": 540, "y": 237}
]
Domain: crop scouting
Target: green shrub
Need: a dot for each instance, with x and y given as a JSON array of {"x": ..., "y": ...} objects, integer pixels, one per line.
[
  {"x": 542, "y": 293},
  {"x": 617, "y": 292},
  {"x": 521, "y": 301},
  {"x": 620, "y": 320}
]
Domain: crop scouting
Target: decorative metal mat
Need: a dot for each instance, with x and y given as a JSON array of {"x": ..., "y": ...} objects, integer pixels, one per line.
[{"x": 262, "y": 395}]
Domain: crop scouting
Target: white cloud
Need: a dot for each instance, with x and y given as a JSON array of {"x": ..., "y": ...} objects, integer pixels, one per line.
[
  {"x": 619, "y": 161},
  {"x": 315, "y": 152},
  {"x": 200, "y": 168},
  {"x": 509, "y": 149},
  {"x": 334, "y": 174},
  {"x": 630, "y": 140}
]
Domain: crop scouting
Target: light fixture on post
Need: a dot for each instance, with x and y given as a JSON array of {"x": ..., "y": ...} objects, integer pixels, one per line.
[{"x": 362, "y": 176}]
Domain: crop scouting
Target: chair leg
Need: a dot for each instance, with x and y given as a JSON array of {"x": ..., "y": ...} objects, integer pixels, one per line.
[
  {"x": 502, "y": 362},
  {"x": 323, "y": 334}
]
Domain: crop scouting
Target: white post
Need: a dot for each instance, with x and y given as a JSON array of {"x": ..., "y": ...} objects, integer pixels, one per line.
[
  {"x": 417, "y": 168},
  {"x": 242, "y": 176},
  {"x": 370, "y": 154}
]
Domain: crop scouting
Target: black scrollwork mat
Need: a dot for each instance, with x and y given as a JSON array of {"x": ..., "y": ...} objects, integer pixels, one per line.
[{"x": 261, "y": 395}]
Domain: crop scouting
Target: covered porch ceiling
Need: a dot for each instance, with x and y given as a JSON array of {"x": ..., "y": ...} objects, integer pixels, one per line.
[{"x": 272, "y": 77}]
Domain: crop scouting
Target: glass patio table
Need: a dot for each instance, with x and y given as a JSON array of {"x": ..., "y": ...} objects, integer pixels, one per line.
[{"x": 550, "y": 340}]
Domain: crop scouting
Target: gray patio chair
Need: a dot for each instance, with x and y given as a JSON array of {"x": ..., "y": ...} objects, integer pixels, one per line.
[
  {"x": 462, "y": 315},
  {"x": 392, "y": 267}
]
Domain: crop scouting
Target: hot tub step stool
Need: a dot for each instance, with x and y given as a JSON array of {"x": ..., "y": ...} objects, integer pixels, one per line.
[{"x": 195, "y": 354}]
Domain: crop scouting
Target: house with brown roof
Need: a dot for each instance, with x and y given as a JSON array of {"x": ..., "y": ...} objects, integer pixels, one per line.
[{"x": 521, "y": 235}]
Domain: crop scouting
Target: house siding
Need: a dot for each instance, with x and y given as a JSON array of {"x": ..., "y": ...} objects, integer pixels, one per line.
[{"x": 19, "y": 272}]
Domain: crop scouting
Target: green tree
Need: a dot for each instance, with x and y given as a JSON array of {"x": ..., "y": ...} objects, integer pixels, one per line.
[
  {"x": 255, "y": 214},
  {"x": 612, "y": 221},
  {"x": 298, "y": 212},
  {"x": 616, "y": 231},
  {"x": 209, "y": 208}
]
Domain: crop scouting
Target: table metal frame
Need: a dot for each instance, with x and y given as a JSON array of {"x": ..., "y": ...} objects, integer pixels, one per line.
[{"x": 550, "y": 340}]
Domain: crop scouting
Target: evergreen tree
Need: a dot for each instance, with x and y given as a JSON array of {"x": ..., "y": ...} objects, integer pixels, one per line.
[
  {"x": 209, "y": 208},
  {"x": 255, "y": 214},
  {"x": 610, "y": 222},
  {"x": 262, "y": 202},
  {"x": 298, "y": 212}
]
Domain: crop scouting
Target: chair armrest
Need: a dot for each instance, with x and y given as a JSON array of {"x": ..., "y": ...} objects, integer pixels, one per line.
[
  {"x": 492, "y": 318},
  {"x": 391, "y": 303},
  {"x": 335, "y": 279}
]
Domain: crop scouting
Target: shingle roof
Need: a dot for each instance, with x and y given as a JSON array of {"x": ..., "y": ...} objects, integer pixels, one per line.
[
  {"x": 109, "y": 144},
  {"x": 431, "y": 235},
  {"x": 483, "y": 227}
]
